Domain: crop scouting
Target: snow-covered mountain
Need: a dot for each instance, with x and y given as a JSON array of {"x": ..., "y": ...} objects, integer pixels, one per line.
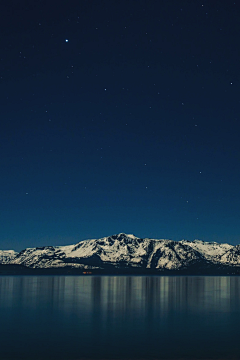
[
  {"x": 7, "y": 255},
  {"x": 126, "y": 251},
  {"x": 212, "y": 251}
]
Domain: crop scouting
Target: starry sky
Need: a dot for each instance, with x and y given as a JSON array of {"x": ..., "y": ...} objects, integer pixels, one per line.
[{"x": 119, "y": 116}]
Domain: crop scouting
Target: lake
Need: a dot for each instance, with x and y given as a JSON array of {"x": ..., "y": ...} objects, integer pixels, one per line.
[{"x": 124, "y": 317}]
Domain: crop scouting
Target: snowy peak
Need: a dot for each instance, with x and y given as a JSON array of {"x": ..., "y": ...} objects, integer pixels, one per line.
[
  {"x": 124, "y": 237},
  {"x": 127, "y": 251},
  {"x": 210, "y": 250},
  {"x": 7, "y": 255},
  {"x": 120, "y": 238},
  {"x": 232, "y": 256}
]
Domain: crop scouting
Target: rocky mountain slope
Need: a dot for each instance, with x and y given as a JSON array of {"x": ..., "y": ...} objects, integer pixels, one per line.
[
  {"x": 123, "y": 251},
  {"x": 7, "y": 255}
]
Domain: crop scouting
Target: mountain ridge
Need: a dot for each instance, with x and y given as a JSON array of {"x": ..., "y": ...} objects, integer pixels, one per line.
[{"x": 127, "y": 252}]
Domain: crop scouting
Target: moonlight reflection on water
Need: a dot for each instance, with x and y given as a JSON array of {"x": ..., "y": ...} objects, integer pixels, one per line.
[{"x": 119, "y": 317}]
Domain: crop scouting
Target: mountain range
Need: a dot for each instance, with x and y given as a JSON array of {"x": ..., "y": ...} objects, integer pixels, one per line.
[{"x": 125, "y": 254}]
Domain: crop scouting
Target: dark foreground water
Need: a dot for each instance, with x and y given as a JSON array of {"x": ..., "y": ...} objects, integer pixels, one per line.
[{"x": 119, "y": 317}]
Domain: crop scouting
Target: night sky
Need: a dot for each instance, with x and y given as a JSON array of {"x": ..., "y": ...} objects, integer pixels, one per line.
[{"x": 119, "y": 116}]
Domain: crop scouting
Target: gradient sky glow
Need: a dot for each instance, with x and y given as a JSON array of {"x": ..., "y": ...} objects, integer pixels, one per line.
[{"x": 119, "y": 116}]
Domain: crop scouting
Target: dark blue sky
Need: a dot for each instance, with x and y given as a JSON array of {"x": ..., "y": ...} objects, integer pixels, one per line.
[{"x": 119, "y": 116}]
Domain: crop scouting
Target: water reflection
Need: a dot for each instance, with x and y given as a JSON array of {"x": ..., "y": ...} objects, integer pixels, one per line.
[
  {"x": 119, "y": 294},
  {"x": 138, "y": 317}
]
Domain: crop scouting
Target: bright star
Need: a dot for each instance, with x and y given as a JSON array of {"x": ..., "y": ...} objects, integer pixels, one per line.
[{"x": 66, "y": 40}]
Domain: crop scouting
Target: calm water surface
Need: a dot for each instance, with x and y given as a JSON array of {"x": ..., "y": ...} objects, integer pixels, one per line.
[{"x": 109, "y": 317}]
